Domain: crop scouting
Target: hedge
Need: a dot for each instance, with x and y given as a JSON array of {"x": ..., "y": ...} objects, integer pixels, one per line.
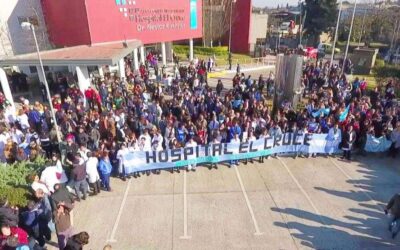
[
  {"x": 218, "y": 51},
  {"x": 379, "y": 63},
  {"x": 14, "y": 185},
  {"x": 388, "y": 71}
]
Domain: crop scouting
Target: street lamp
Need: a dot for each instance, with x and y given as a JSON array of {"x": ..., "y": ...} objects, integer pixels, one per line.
[
  {"x": 230, "y": 25},
  {"x": 30, "y": 26}
]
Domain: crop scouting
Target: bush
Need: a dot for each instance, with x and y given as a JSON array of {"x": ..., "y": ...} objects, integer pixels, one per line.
[
  {"x": 379, "y": 63},
  {"x": 389, "y": 71},
  {"x": 13, "y": 180},
  {"x": 378, "y": 45},
  {"x": 218, "y": 51},
  {"x": 15, "y": 196}
]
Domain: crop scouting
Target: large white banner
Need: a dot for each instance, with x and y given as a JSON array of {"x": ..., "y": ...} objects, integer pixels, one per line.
[{"x": 214, "y": 153}]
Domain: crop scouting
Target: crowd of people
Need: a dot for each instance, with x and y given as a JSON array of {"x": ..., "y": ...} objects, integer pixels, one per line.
[{"x": 117, "y": 116}]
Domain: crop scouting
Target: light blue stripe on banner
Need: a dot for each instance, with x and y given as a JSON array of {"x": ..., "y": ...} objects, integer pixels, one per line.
[
  {"x": 216, "y": 159},
  {"x": 118, "y": 2},
  {"x": 193, "y": 14}
]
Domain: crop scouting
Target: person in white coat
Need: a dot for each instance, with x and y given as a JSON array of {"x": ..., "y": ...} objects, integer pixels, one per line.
[
  {"x": 334, "y": 135},
  {"x": 235, "y": 140},
  {"x": 54, "y": 174},
  {"x": 92, "y": 173},
  {"x": 191, "y": 143},
  {"x": 121, "y": 156}
]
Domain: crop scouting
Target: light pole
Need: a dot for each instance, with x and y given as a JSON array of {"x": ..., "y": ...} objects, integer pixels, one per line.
[
  {"x": 30, "y": 26},
  {"x": 230, "y": 25},
  {"x": 336, "y": 34},
  {"x": 348, "y": 38}
]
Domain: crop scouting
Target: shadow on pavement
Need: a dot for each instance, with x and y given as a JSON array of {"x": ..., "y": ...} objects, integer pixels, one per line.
[{"x": 363, "y": 226}]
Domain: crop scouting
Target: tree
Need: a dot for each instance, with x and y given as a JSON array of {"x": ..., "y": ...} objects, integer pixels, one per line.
[
  {"x": 216, "y": 16},
  {"x": 321, "y": 16},
  {"x": 378, "y": 25}
]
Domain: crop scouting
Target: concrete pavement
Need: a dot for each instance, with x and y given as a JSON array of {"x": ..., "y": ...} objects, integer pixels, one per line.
[{"x": 318, "y": 203}]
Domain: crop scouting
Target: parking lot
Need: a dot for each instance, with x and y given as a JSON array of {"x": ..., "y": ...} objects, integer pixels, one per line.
[{"x": 285, "y": 203}]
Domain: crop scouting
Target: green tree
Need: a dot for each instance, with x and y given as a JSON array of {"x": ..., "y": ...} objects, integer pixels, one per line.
[{"x": 321, "y": 17}]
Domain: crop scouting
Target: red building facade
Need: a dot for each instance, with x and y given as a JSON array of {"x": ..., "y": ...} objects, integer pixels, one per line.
[{"x": 77, "y": 22}]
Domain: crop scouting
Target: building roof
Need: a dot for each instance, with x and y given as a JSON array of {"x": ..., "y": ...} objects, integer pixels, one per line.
[{"x": 96, "y": 54}]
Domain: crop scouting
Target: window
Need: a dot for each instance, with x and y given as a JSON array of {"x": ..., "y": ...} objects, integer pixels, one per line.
[{"x": 33, "y": 69}]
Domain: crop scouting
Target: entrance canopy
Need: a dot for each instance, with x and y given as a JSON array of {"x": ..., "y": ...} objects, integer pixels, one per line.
[{"x": 96, "y": 54}]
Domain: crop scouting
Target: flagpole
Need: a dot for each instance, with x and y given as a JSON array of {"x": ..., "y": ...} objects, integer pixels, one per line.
[
  {"x": 349, "y": 37},
  {"x": 336, "y": 33}
]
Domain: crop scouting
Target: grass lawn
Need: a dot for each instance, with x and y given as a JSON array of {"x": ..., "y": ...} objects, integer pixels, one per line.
[
  {"x": 371, "y": 81},
  {"x": 223, "y": 60}
]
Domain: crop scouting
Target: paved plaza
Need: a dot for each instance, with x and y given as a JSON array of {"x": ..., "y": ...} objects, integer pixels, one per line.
[{"x": 285, "y": 203}]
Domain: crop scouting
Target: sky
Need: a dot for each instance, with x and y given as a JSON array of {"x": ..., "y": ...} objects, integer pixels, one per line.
[{"x": 273, "y": 3}]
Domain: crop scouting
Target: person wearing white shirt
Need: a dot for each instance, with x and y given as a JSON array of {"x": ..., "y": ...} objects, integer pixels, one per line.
[
  {"x": 191, "y": 143},
  {"x": 121, "y": 156},
  {"x": 37, "y": 184},
  {"x": 145, "y": 144},
  {"x": 264, "y": 134},
  {"x": 4, "y": 136},
  {"x": 250, "y": 138},
  {"x": 23, "y": 120},
  {"x": 52, "y": 175},
  {"x": 157, "y": 137},
  {"x": 92, "y": 173},
  {"x": 83, "y": 151},
  {"x": 334, "y": 135},
  {"x": 145, "y": 141},
  {"x": 16, "y": 135}
]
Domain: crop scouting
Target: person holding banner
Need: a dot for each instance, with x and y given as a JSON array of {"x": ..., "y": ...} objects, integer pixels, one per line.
[
  {"x": 395, "y": 137},
  {"x": 105, "y": 169},
  {"x": 236, "y": 140},
  {"x": 348, "y": 140},
  {"x": 191, "y": 143},
  {"x": 250, "y": 138},
  {"x": 264, "y": 134},
  {"x": 214, "y": 141},
  {"x": 121, "y": 156},
  {"x": 334, "y": 135}
]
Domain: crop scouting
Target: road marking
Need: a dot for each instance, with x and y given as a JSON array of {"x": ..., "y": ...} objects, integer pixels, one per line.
[
  {"x": 303, "y": 191},
  {"x": 121, "y": 208},
  {"x": 248, "y": 203},
  {"x": 359, "y": 189},
  {"x": 276, "y": 205},
  {"x": 185, "y": 210}
]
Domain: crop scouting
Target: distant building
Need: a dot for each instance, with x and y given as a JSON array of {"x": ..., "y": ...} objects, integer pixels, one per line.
[{"x": 13, "y": 39}]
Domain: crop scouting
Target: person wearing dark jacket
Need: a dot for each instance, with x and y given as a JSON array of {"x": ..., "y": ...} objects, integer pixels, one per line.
[
  {"x": 79, "y": 177},
  {"x": 348, "y": 140},
  {"x": 77, "y": 241},
  {"x": 33, "y": 223},
  {"x": 61, "y": 194},
  {"x": 8, "y": 215},
  {"x": 393, "y": 208},
  {"x": 62, "y": 220}
]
